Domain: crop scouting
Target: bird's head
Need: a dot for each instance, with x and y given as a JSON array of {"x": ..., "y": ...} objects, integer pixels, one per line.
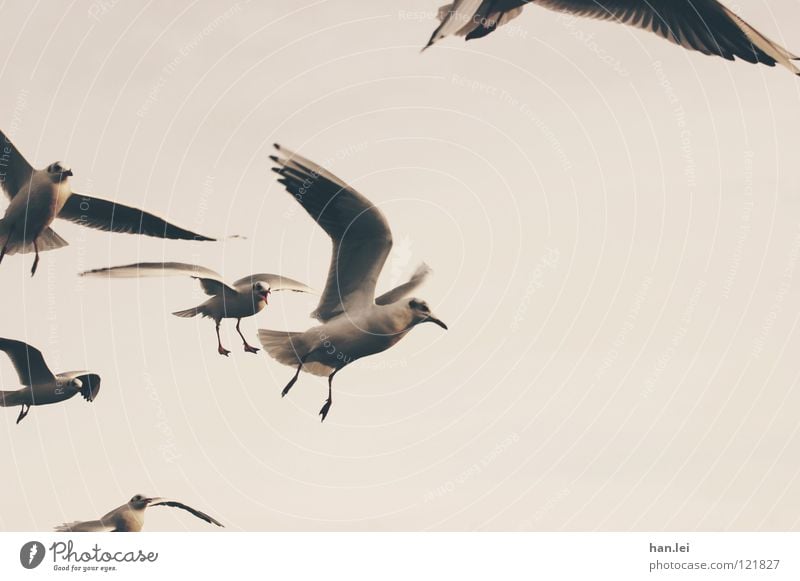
[
  {"x": 262, "y": 291},
  {"x": 58, "y": 172},
  {"x": 140, "y": 501},
  {"x": 421, "y": 313}
]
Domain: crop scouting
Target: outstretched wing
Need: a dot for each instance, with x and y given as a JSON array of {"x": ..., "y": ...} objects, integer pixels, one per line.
[
  {"x": 405, "y": 289},
  {"x": 702, "y": 25},
  {"x": 15, "y": 171},
  {"x": 195, "y": 512},
  {"x": 275, "y": 282},
  {"x": 359, "y": 232},
  {"x": 28, "y": 361},
  {"x": 113, "y": 217},
  {"x": 88, "y": 526},
  {"x": 474, "y": 18},
  {"x": 210, "y": 281}
]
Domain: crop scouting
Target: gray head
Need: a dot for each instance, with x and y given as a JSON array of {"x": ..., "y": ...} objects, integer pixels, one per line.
[
  {"x": 139, "y": 502},
  {"x": 262, "y": 291},
  {"x": 58, "y": 172},
  {"x": 421, "y": 313}
]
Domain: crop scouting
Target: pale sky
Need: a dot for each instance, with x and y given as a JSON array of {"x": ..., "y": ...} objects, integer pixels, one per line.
[{"x": 614, "y": 228}]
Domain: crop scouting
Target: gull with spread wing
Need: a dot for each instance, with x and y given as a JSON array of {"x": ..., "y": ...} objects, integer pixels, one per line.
[
  {"x": 129, "y": 518},
  {"x": 355, "y": 324},
  {"x": 41, "y": 386},
  {"x": 243, "y": 298},
  {"x": 702, "y": 25},
  {"x": 39, "y": 196}
]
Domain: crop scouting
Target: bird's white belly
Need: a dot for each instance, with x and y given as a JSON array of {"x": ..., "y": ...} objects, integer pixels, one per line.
[
  {"x": 32, "y": 211},
  {"x": 343, "y": 341}
]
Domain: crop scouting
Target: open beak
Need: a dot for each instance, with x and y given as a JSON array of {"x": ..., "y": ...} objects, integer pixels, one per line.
[
  {"x": 265, "y": 296},
  {"x": 436, "y": 321},
  {"x": 68, "y": 173}
]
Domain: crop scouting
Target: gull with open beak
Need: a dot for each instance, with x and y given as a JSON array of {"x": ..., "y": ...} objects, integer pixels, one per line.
[
  {"x": 41, "y": 386},
  {"x": 243, "y": 298},
  {"x": 129, "y": 518},
  {"x": 705, "y": 26},
  {"x": 355, "y": 324},
  {"x": 39, "y": 196}
]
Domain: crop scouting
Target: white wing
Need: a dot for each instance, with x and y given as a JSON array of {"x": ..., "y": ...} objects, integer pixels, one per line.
[
  {"x": 211, "y": 281},
  {"x": 405, "y": 289},
  {"x": 275, "y": 282},
  {"x": 360, "y": 234}
]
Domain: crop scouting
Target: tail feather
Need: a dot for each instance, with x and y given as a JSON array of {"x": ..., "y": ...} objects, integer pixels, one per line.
[
  {"x": 288, "y": 347},
  {"x": 188, "y": 313},
  {"x": 11, "y": 398},
  {"x": 47, "y": 240}
]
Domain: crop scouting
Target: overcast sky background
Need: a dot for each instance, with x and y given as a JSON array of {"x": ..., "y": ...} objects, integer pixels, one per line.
[{"x": 613, "y": 224}]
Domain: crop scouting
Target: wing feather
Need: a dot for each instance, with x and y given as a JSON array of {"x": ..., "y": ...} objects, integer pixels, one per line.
[
  {"x": 359, "y": 232},
  {"x": 28, "y": 361},
  {"x": 114, "y": 217},
  {"x": 15, "y": 171}
]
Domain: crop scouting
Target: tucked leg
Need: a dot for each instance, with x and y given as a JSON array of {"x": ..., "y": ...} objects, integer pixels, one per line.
[
  {"x": 327, "y": 406},
  {"x": 23, "y": 412},
  {"x": 247, "y": 347},
  {"x": 220, "y": 349},
  {"x": 36, "y": 259}
]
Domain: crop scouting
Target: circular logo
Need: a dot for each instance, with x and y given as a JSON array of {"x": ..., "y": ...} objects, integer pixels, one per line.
[{"x": 31, "y": 554}]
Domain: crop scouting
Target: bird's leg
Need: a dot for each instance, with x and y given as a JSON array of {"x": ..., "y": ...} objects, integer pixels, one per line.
[
  {"x": 35, "y": 260},
  {"x": 327, "y": 406},
  {"x": 247, "y": 347},
  {"x": 220, "y": 349},
  {"x": 23, "y": 412},
  {"x": 296, "y": 375},
  {"x": 5, "y": 244}
]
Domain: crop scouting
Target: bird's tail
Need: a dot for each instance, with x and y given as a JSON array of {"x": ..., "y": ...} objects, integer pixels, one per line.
[
  {"x": 282, "y": 346},
  {"x": 89, "y": 526},
  {"x": 11, "y": 398},
  {"x": 188, "y": 313},
  {"x": 289, "y": 347},
  {"x": 47, "y": 240}
]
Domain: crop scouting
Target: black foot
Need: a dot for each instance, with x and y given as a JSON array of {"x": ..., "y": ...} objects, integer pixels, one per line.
[
  {"x": 251, "y": 349},
  {"x": 222, "y": 351},
  {"x": 289, "y": 386},
  {"x": 325, "y": 409},
  {"x": 35, "y": 265}
]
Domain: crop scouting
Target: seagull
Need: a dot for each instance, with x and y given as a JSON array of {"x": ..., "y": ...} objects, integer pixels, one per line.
[
  {"x": 244, "y": 298},
  {"x": 702, "y": 25},
  {"x": 129, "y": 518},
  {"x": 41, "y": 386},
  {"x": 38, "y": 196},
  {"x": 355, "y": 324}
]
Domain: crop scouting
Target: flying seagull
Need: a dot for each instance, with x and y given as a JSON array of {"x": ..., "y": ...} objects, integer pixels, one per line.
[
  {"x": 41, "y": 386},
  {"x": 38, "y": 196},
  {"x": 129, "y": 518},
  {"x": 702, "y": 25},
  {"x": 244, "y": 298},
  {"x": 355, "y": 324}
]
